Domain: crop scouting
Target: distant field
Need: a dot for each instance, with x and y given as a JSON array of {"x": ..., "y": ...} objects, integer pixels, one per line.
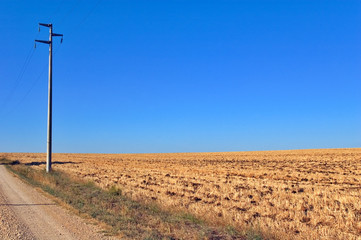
[{"x": 302, "y": 194}]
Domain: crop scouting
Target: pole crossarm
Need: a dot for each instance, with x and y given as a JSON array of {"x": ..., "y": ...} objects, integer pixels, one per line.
[
  {"x": 46, "y": 24},
  {"x": 58, "y": 35},
  {"x": 49, "y": 25},
  {"x": 43, "y": 41}
]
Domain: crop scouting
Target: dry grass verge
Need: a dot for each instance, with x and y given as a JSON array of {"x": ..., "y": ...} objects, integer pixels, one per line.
[{"x": 127, "y": 218}]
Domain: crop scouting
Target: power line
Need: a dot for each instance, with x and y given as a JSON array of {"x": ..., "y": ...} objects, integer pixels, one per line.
[
  {"x": 89, "y": 13},
  {"x": 28, "y": 92},
  {"x": 70, "y": 10},
  {"x": 21, "y": 73},
  {"x": 32, "y": 51},
  {"x": 20, "y": 76},
  {"x": 57, "y": 9},
  {"x": 84, "y": 19}
]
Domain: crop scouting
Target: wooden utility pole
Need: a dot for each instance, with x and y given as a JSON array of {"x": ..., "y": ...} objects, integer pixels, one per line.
[{"x": 50, "y": 90}]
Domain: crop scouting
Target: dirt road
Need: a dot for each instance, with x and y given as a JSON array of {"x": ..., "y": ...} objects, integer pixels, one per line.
[{"x": 27, "y": 214}]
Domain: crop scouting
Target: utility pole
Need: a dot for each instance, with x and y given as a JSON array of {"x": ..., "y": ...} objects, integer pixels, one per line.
[{"x": 50, "y": 89}]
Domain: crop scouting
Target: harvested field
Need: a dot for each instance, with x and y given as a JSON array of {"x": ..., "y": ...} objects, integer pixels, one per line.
[{"x": 301, "y": 194}]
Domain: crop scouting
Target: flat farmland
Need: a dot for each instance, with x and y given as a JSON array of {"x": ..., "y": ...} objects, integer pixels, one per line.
[{"x": 296, "y": 194}]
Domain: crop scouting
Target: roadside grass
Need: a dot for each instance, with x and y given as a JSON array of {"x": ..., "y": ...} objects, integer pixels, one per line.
[{"x": 125, "y": 217}]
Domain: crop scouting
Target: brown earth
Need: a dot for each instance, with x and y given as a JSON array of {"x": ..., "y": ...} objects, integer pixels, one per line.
[{"x": 297, "y": 194}]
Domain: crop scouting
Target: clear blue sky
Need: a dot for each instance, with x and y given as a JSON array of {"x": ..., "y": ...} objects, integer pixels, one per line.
[{"x": 182, "y": 76}]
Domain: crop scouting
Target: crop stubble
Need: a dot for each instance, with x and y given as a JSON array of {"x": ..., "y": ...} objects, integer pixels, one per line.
[{"x": 302, "y": 194}]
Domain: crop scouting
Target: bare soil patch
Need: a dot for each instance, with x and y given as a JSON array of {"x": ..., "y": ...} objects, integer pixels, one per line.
[{"x": 301, "y": 194}]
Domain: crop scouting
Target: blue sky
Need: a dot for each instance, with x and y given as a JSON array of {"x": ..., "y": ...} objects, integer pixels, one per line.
[{"x": 182, "y": 76}]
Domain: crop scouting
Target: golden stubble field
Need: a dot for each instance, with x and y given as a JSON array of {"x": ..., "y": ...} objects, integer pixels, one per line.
[{"x": 297, "y": 194}]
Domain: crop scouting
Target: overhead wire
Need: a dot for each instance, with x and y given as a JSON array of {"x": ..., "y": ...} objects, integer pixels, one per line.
[
  {"x": 89, "y": 13},
  {"x": 67, "y": 14},
  {"x": 22, "y": 72},
  {"x": 34, "y": 83},
  {"x": 31, "y": 53},
  {"x": 28, "y": 92},
  {"x": 84, "y": 19},
  {"x": 20, "y": 77},
  {"x": 57, "y": 9}
]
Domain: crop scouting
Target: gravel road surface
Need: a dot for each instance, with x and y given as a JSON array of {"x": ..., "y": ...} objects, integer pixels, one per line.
[{"x": 26, "y": 214}]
